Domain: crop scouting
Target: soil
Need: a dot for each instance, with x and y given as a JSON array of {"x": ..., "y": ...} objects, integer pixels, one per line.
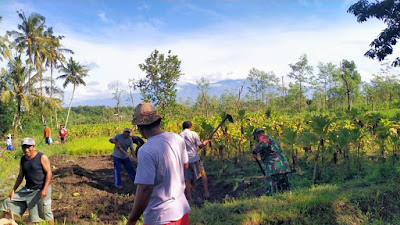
[{"x": 84, "y": 192}]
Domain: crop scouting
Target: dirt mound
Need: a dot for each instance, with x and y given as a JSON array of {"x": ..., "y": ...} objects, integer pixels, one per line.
[{"x": 84, "y": 192}]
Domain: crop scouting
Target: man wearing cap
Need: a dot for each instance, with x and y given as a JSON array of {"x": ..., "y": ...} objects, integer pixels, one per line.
[
  {"x": 160, "y": 191},
  {"x": 275, "y": 161},
  {"x": 120, "y": 156},
  {"x": 46, "y": 134},
  {"x": 196, "y": 169},
  {"x": 36, "y": 194},
  {"x": 9, "y": 142}
]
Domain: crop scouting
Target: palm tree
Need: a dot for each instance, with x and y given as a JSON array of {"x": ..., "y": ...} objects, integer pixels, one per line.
[
  {"x": 16, "y": 83},
  {"x": 74, "y": 73},
  {"x": 54, "y": 59},
  {"x": 31, "y": 39},
  {"x": 4, "y": 47},
  {"x": 55, "y": 54}
]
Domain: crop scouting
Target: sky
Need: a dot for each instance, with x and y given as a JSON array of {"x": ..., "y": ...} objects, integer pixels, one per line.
[{"x": 213, "y": 39}]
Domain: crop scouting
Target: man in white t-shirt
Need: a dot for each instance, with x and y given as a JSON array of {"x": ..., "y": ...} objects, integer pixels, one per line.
[
  {"x": 196, "y": 169},
  {"x": 160, "y": 191}
]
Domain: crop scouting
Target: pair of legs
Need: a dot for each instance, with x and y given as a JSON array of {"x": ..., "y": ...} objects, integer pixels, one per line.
[
  {"x": 117, "y": 170},
  {"x": 39, "y": 208},
  {"x": 47, "y": 140},
  {"x": 277, "y": 182},
  {"x": 193, "y": 173}
]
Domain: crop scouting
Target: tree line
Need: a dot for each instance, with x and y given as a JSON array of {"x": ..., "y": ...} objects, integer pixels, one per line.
[
  {"x": 30, "y": 51},
  {"x": 33, "y": 48}
]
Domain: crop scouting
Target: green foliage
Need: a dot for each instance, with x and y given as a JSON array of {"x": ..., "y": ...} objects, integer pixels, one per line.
[
  {"x": 6, "y": 118},
  {"x": 162, "y": 74},
  {"x": 382, "y": 46}
]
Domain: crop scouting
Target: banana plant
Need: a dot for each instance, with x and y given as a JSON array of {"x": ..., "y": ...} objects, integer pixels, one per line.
[
  {"x": 317, "y": 132},
  {"x": 289, "y": 138},
  {"x": 340, "y": 140},
  {"x": 382, "y": 133}
]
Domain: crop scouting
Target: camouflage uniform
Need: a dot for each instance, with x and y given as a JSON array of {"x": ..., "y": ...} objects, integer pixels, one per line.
[{"x": 276, "y": 163}]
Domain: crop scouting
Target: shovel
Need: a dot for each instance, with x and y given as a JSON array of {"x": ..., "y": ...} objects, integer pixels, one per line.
[{"x": 227, "y": 117}]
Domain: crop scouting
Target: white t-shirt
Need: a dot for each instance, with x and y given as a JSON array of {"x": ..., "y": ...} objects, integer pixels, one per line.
[
  {"x": 161, "y": 161},
  {"x": 9, "y": 141},
  {"x": 192, "y": 140}
]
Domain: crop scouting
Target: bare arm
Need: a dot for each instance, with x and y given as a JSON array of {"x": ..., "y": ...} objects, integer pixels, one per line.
[
  {"x": 186, "y": 165},
  {"x": 18, "y": 182},
  {"x": 134, "y": 159},
  {"x": 115, "y": 142},
  {"x": 142, "y": 198},
  {"x": 47, "y": 169},
  {"x": 205, "y": 142}
]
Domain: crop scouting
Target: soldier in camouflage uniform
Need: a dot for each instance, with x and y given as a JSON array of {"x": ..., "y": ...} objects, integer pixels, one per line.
[{"x": 277, "y": 165}]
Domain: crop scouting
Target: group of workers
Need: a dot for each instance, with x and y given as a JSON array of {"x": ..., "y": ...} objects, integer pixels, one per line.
[
  {"x": 168, "y": 165},
  {"x": 62, "y": 133}
]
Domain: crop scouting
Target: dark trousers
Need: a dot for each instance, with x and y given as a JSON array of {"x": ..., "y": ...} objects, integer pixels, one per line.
[{"x": 117, "y": 170}]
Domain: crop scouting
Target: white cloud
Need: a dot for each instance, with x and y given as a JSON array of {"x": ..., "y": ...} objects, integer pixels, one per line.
[
  {"x": 103, "y": 17},
  {"x": 218, "y": 51}
]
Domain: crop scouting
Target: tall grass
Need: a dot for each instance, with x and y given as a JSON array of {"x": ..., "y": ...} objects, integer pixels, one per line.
[{"x": 88, "y": 146}]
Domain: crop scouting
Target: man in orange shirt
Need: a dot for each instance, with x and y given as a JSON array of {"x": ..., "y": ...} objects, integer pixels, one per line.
[{"x": 46, "y": 134}]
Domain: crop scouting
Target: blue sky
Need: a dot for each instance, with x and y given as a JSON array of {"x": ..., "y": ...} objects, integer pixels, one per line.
[{"x": 214, "y": 39}]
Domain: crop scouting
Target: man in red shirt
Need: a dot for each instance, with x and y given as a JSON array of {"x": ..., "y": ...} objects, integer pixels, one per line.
[{"x": 63, "y": 133}]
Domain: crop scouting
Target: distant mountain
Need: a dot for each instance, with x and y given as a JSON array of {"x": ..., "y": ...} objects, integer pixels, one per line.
[{"x": 185, "y": 91}]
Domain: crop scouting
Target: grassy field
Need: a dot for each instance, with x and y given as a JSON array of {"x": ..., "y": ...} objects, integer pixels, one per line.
[{"x": 368, "y": 196}]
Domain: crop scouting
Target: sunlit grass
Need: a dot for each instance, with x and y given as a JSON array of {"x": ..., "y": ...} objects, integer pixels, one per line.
[
  {"x": 88, "y": 146},
  {"x": 327, "y": 204}
]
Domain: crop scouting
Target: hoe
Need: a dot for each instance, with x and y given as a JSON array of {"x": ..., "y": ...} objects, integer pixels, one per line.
[{"x": 227, "y": 117}]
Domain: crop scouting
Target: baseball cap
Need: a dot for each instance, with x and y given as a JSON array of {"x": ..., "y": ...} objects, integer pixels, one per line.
[
  {"x": 28, "y": 141},
  {"x": 127, "y": 130},
  {"x": 258, "y": 131},
  {"x": 45, "y": 124}
]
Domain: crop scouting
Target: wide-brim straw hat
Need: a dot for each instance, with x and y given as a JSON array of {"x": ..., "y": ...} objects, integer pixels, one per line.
[{"x": 145, "y": 114}]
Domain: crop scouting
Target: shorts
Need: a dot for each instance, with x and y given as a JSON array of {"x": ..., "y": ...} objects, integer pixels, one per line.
[
  {"x": 182, "y": 221},
  {"x": 195, "y": 171},
  {"x": 62, "y": 138},
  {"x": 39, "y": 208},
  {"x": 9, "y": 147}
]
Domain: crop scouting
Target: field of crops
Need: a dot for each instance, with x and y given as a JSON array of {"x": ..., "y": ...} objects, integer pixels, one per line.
[{"x": 329, "y": 152}]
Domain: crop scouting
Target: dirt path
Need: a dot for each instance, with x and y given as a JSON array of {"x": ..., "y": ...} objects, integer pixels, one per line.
[{"x": 84, "y": 192}]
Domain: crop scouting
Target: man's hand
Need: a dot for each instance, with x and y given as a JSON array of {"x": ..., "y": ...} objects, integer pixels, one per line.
[
  {"x": 118, "y": 145},
  {"x": 205, "y": 142},
  {"x": 43, "y": 193},
  {"x": 11, "y": 195}
]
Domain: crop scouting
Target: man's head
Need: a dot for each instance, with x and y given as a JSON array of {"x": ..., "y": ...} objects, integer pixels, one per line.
[
  {"x": 28, "y": 146},
  {"x": 187, "y": 125},
  {"x": 257, "y": 133},
  {"x": 127, "y": 132},
  {"x": 61, "y": 126},
  {"x": 45, "y": 124},
  {"x": 146, "y": 118}
]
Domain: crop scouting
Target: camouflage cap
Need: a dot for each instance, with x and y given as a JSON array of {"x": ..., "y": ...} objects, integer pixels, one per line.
[{"x": 258, "y": 131}]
